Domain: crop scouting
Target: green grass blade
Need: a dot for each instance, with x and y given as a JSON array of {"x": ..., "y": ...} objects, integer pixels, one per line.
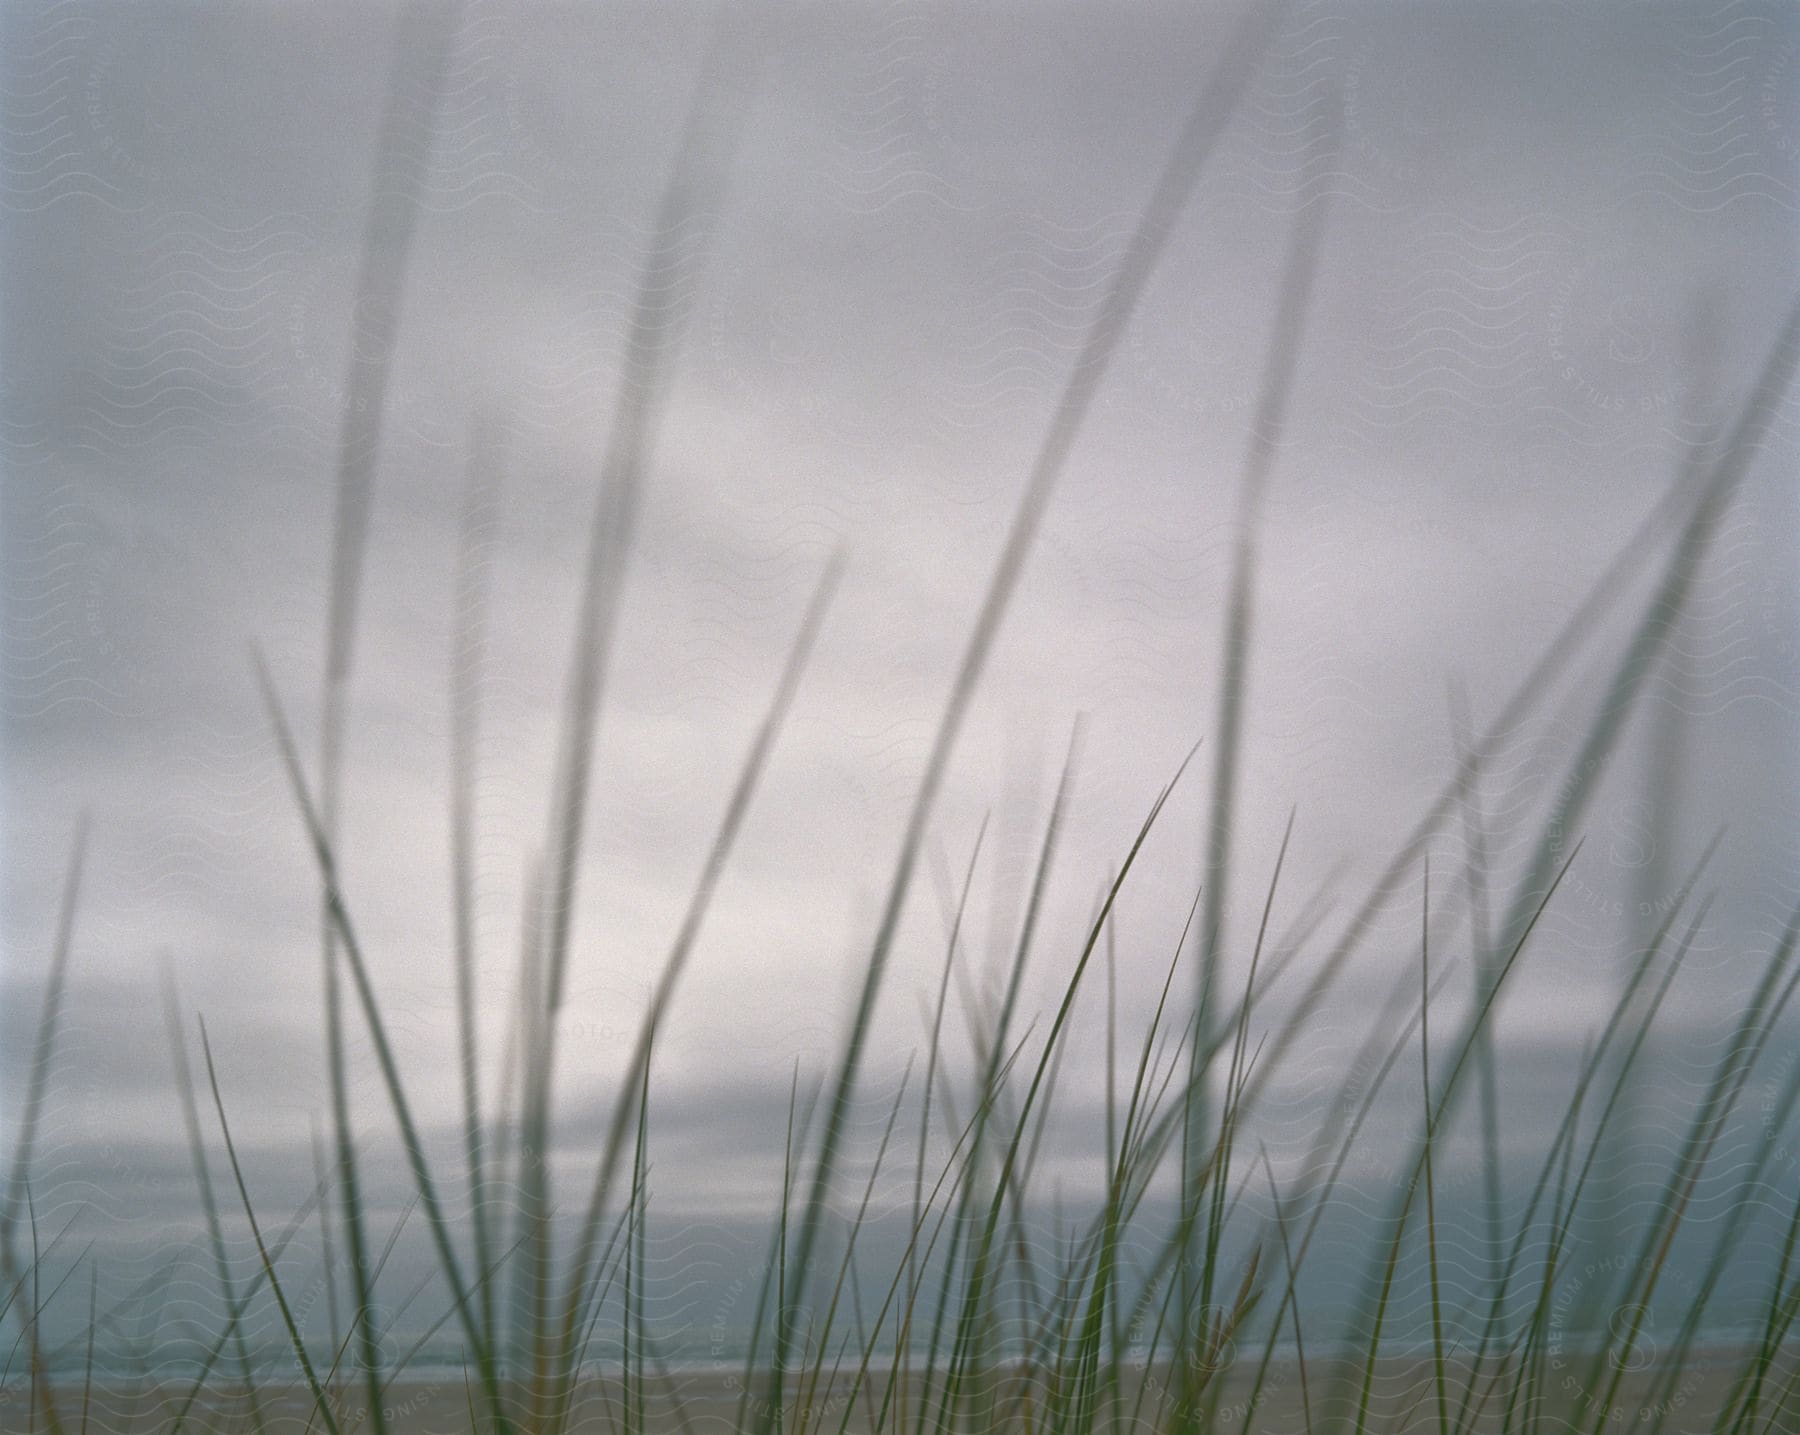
[
  {"x": 184, "y": 1085},
  {"x": 320, "y": 1403},
  {"x": 43, "y": 1055},
  {"x": 468, "y": 656},
  {"x": 1191, "y": 150},
  {"x": 390, "y": 1072}
]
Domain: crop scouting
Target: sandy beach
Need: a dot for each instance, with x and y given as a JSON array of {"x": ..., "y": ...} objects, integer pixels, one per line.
[{"x": 1404, "y": 1397}]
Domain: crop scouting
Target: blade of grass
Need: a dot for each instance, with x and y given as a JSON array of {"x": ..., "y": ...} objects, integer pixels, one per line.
[
  {"x": 809, "y": 1400},
  {"x": 711, "y": 130},
  {"x": 1280, "y": 365},
  {"x": 421, "y": 57},
  {"x": 184, "y": 1086},
  {"x": 1760, "y": 1015},
  {"x": 1290, "y": 1304},
  {"x": 955, "y": 1170},
  {"x": 1480, "y": 924},
  {"x": 1695, "y": 519},
  {"x": 1562, "y": 1145},
  {"x": 1437, "y": 1304},
  {"x": 1188, "y": 156},
  {"x": 327, "y": 1247},
  {"x": 49, "y": 1026},
  {"x": 42, "y": 1392},
  {"x": 235, "y": 1313},
  {"x": 390, "y": 1072},
  {"x": 975, "y": 1287},
  {"x": 1236, "y": 1072},
  {"x": 700, "y": 902},
  {"x": 87, "y": 1371},
  {"x": 43, "y": 1055},
  {"x": 468, "y": 656},
  {"x": 287, "y": 1315},
  {"x": 1380, "y": 1282},
  {"x": 903, "y": 1339}
]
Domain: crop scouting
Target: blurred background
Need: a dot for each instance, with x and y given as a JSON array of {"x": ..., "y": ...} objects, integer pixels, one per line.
[{"x": 1557, "y": 242}]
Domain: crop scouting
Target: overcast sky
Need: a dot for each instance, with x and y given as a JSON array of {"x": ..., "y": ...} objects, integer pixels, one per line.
[{"x": 1558, "y": 240}]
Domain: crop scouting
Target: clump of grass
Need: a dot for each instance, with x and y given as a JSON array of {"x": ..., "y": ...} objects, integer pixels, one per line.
[{"x": 982, "y": 1323}]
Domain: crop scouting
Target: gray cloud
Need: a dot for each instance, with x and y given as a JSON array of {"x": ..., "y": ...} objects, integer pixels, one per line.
[{"x": 1532, "y": 210}]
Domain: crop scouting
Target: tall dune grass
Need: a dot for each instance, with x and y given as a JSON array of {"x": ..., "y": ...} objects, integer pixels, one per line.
[{"x": 1142, "y": 1313}]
